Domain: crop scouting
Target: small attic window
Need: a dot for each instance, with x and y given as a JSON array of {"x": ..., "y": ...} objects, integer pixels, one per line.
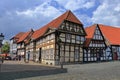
[
  {"x": 67, "y": 25},
  {"x": 73, "y": 30},
  {"x": 63, "y": 25},
  {"x": 64, "y": 28}
]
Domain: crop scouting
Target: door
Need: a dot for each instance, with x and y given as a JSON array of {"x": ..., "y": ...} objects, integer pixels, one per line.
[
  {"x": 115, "y": 56},
  {"x": 39, "y": 54}
]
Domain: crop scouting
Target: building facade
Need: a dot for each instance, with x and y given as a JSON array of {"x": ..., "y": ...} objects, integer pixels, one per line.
[
  {"x": 112, "y": 38},
  {"x": 101, "y": 40},
  {"x": 13, "y": 42},
  {"x": 60, "y": 40},
  {"x": 22, "y": 43},
  {"x": 95, "y": 45},
  {"x": 65, "y": 40}
]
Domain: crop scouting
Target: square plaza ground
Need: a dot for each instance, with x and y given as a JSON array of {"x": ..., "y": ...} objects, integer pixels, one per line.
[{"x": 92, "y": 71}]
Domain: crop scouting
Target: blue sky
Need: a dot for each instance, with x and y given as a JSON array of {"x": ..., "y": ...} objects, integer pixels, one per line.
[{"x": 22, "y": 15}]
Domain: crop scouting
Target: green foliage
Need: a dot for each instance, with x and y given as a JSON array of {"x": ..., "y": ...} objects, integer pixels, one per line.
[{"x": 6, "y": 47}]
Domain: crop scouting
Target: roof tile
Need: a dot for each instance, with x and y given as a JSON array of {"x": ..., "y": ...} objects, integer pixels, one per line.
[
  {"x": 56, "y": 23},
  {"x": 109, "y": 32},
  {"x": 90, "y": 33}
]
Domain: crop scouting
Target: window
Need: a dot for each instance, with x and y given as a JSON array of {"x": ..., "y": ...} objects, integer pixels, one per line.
[
  {"x": 52, "y": 36},
  {"x": 67, "y": 48},
  {"x": 51, "y": 53},
  {"x": 76, "y": 53},
  {"x": 63, "y": 25},
  {"x": 72, "y": 29},
  {"x": 68, "y": 36},
  {"x": 67, "y": 25},
  {"x": 78, "y": 38},
  {"x": 82, "y": 39},
  {"x": 75, "y": 27},
  {"x": 48, "y": 37}
]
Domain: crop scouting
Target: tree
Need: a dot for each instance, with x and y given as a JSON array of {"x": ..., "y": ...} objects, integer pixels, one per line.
[{"x": 6, "y": 47}]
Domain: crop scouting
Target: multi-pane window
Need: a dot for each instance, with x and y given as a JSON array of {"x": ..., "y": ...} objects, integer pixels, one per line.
[
  {"x": 76, "y": 53},
  {"x": 78, "y": 38},
  {"x": 68, "y": 36},
  {"x": 75, "y": 28},
  {"x": 82, "y": 38},
  {"x": 51, "y": 52},
  {"x": 52, "y": 36},
  {"x": 67, "y": 25},
  {"x": 63, "y": 25},
  {"x": 97, "y": 34}
]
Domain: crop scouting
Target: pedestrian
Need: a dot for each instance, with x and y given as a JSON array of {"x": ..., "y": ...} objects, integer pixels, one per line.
[
  {"x": 98, "y": 57},
  {"x": 2, "y": 59},
  {"x": 28, "y": 55},
  {"x": 19, "y": 57}
]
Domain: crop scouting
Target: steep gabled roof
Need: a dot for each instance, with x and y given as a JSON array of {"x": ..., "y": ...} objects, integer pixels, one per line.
[
  {"x": 56, "y": 23},
  {"x": 17, "y": 36},
  {"x": 24, "y": 36},
  {"x": 111, "y": 34},
  {"x": 90, "y": 33}
]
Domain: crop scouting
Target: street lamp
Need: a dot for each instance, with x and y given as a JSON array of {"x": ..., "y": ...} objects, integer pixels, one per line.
[
  {"x": 1, "y": 39},
  {"x": 60, "y": 53}
]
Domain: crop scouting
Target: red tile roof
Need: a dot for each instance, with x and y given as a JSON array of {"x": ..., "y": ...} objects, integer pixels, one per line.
[
  {"x": 111, "y": 34},
  {"x": 56, "y": 23},
  {"x": 18, "y": 35},
  {"x": 22, "y": 38},
  {"x": 90, "y": 33}
]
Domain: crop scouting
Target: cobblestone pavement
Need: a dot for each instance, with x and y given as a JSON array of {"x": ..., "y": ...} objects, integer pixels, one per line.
[{"x": 92, "y": 71}]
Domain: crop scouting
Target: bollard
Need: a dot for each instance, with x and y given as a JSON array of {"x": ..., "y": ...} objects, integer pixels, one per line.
[
  {"x": 1, "y": 61},
  {"x": 0, "y": 68}
]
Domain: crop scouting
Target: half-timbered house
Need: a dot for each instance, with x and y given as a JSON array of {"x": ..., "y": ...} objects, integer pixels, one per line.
[
  {"x": 23, "y": 40},
  {"x": 61, "y": 39},
  {"x": 94, "y": 45},
  {"x": 13, "y": 42},
  {"x": 111, "y": 35},
  {"x": 103, "y": 40}
]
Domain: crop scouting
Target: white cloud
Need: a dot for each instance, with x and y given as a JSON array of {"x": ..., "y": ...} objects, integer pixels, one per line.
[
  {"x": 88, "y": 5},
  {"x": 85, "y": 19},
  {"x": 76, "y": 4},
  {"x": 108, "y": 12},
  {"x": 117, "y": 8},
  {"x": 44, "y": 9}
]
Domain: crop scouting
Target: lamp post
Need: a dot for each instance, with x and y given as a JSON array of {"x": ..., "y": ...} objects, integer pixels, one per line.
[
  {"x": 60, "y": 53},
  {"x": 1, "y": 39}
]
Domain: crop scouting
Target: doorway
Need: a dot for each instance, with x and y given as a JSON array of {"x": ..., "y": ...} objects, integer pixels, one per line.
[
  {"x": 115, "y": 56},
  {"x": 40, "y": 55}
]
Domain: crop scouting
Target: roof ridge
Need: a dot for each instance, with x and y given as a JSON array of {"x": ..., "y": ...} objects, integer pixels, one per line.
[
  {"x": 68, "y": 14},
  {"x": 109, "y": 26},
  {"x": 55, "y": 23}
]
